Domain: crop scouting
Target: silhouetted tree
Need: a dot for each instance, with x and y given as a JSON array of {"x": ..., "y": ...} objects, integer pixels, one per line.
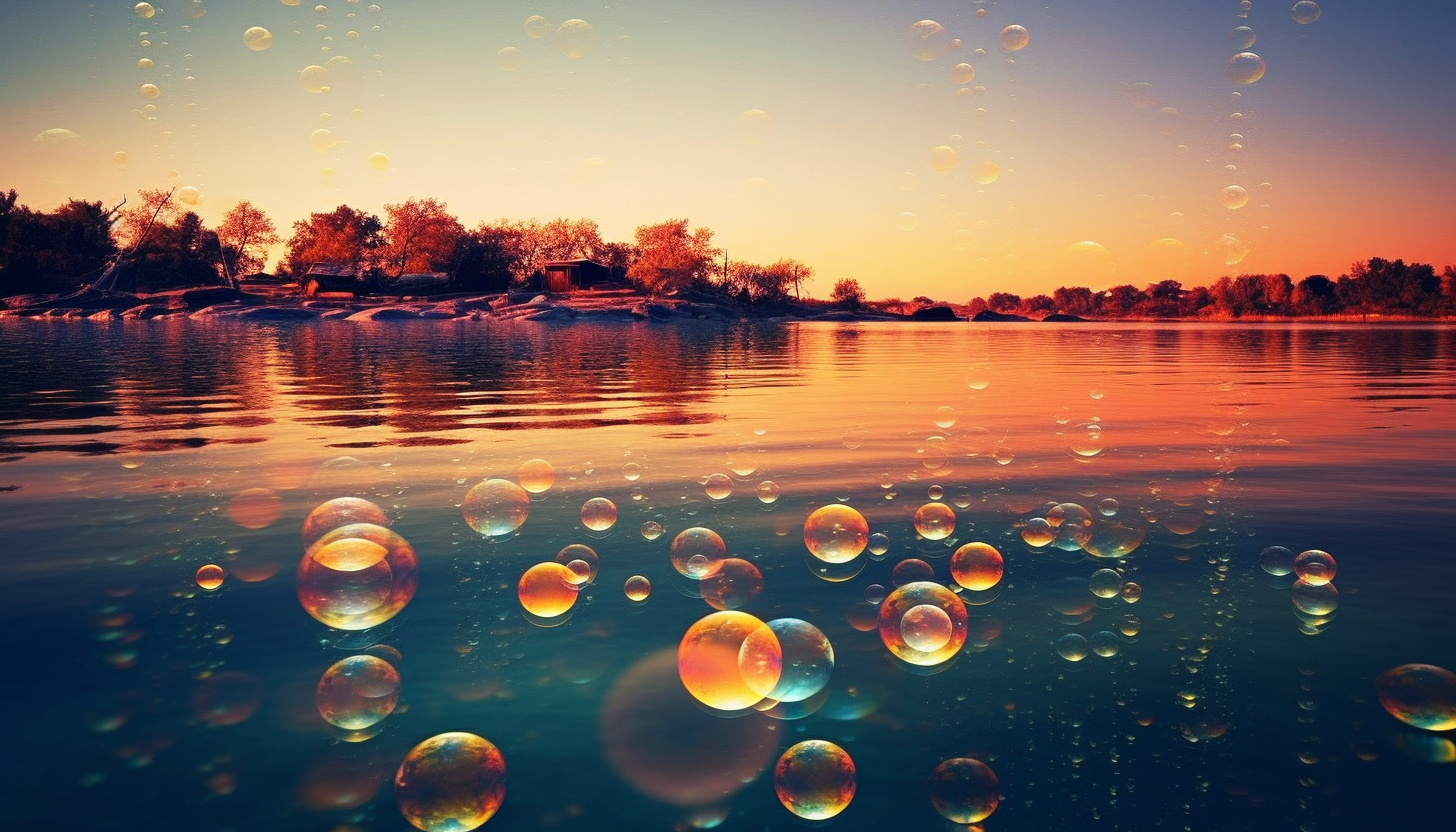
[
  {"x": 1004, "y": 302},
  {"x": 848, "y": 292},
  {"x": 1315, "y": 295},
  {"x": 52, "y": 252},
  {"x": 1074, "y": 300}
]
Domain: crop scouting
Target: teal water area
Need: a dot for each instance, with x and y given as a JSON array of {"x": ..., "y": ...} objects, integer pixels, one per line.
[{"x": 132, "y": 454}]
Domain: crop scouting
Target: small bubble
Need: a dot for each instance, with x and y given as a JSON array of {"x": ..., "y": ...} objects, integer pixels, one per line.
[
  {"x": 510, "y": 59},
  {"x": 537, "y": 27},
  {"x": 907, "y": 221},
  {"x": 257, "y": 38},
  {"x": 1013, "y": 38},
  {"x": 1304, "y": 12},
  {"x": 1245, "y": 68}
]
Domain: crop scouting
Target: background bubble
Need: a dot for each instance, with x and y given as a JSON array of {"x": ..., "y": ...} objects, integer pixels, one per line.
[
  {"x": 927, "y": 40},
  {"x": 378, "y": 161},
  {"x": 1013, "y": 38},
  {"x": 962, "y": 73},
  {"x": 575, "y": 38},
  {"x": 144, "y": 10},
  {"x": 210, "y": 576},
  {"x": 697, "y": 552},
  {"x": 943, "y": 159},
  {"x": 536, "y": 476},
  {"x": 598, "y": 514},
  {"x": 718, "y": 486},
  {"x": 1233, "y": 197},
  {"x": 1242, "y": 36},
  {"x": 1315, "y": 566},
  {"x": 984, "y": 172},
  {"x": 340, "y": 511},
  {"x": 1072, "y": 647},
  {"x": 906, "y": 221},
  {"x": 510, "y": 58},
  {"x": 357, "y": 692},
  {"x": 1305, "y": 12},
  {"x": 257, "y": 38},
  {"x": 537, "y": 27},
  {"x": 150, "y": 90},
  {"x": 1245, "y": 68}
]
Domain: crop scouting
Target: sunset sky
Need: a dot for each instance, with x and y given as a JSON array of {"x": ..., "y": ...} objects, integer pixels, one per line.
[{"x": 803, "y": 129}]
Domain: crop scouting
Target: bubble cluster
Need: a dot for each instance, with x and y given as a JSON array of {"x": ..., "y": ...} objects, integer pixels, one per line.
[
  {"x": 451, "y": 782},
  {"x": 815, "y": 779}
]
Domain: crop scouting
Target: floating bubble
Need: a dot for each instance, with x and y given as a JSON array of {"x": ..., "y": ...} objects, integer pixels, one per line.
[
  {"x": 1230, "y": 249},
  {"x": 1073, "y": 523},
  {"x": 964, "y": 790},
  {"x": 575, "y": 38},
  {"x": 496, "y": 507},
  {"x": 598, "y": 514},
  {"x": 637, "y": 588},
  {"x": 451, "y": 782},
  {"x": 943, "y": 159},
  {"x": 962, "y": 73},
  {"x": 1072, "y": 647},
  {"x": 340, "y": 511},
  {"x": 1130, "y": 592},
  {"x": 708, "y": 661},
  {"x": 935, "y": 521},
  {"x": 1305, "y": 12},
  {"x": 537, "y": 27},
  {"x": 836, "y": 533},
  {"x": 378, "y": 161},
  {"x": 1013, "y": 38},
  {"x": 1038, "y": 532},
  {"x": 581, "y": 571},
  {"x": 917, "y": 594},
  {"x": 145, "y": 63},
  {"x": 510, "y": 59},
  {"x": 257, "y": 38},
  {"x": 357, "y": 692},
  {"x": 578, "y": 551},
  {"x": 144, "y": 10},
  {"x": 977, "y": 566},
  {"x": 926, "y": 627},
  {"x": 984, "y": 172},
  {"x": 1242, "y": 37},
  {"x": 906, "y": 221},
  {"x": 736, "y": 583},
  {"x": 150, "y": 90},
  {"x": 227, "y": 698},
  {"x": 188, "y": 195},
  {"x": 255, "y": 508},
  {"x": 927, "y": 40},
  {"x": 209, "y": 576},
  {"x": 878, "y": 543},
  {"x": 1233, "y": 197},
  {"x": 547, "y": 589},
  {"x": 697, "y": 552},
  {"x": 1108, "y": 507},
  {"x": 1314, "y": 599},
  {"x": 357, "y": 576},
  {"x": 1105, "y": 644},
  {"x": 536, "y": 476},
  {"x": 718, "y": 486},
  {"x": 768, "y": 492},
  {"x": 1315, "y": 567},
  {"x": 909, "y": 181},
  {"x": 815, "y": 779},
  {"x": 322, "y": 140},
  {"x": 1130, "y": 626},
  {"x": 1105, "y": 583},
  {"x": 651, "y": 530},
  {"x": 1245, "y": 68},
  {"x": 805, "y": 655},
  {"x": 910, "y": 570},
  {"x": 1422, "y": 695}
]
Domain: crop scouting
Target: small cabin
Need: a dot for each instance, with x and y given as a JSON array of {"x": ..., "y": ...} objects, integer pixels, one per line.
[
  {"x": 331, "y": 277},
  {"x": 564, "y": 276},
  {"x": 421, "y": 283}
]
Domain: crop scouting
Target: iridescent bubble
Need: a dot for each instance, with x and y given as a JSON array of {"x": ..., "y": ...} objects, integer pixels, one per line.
[
  {"x": 1245, "y": 68},
  {"x": 150, "y": 90},
  {"x": 906, "y": 221},
  {"x": 984, "y": 172},
  {"x": 451, "y": 782},
  {"x": 943, "y": 159},
  {"x": 598, "y": 514},
  {"x": 908, "y": 597},
  {"x": 697, "y": 552},
  {"x": 340, "y": 511},
  {"x": 1305, "y": 12},
  {"x": 651, "y": 530},
  {"x": 926, "y": 627},
  {"x": 547, "y": 589},
  {"x": 1105, "y": 644},
  {"x": 631, "y": 472},
  {"x": 1130, "y": 626},
  {"x": 537, "y": 27},
  {"x": 1422, "y": 695},
  {"x": 314, "y": 78},
  {"x": 580, "y": 552},
  {"x": 710, "y": 668},
  {"x": 1131, "y": 592},
  {"x": 1013, "y": 38},
  {"x": 536, "y": 476},
  {"x": 927, "y": 40},
  {"x": 836, "y": 533},
  {"x": 1233, "y": 197},
  {"x": 144, "y": 10},
  {"x": 910, "y": 570},
  {"x": 257, "y": 38},
  {"x": 878, "y": 543},
  {"x": 357, "y": 692},
  {"x": 768, "y": 492},
  {"x": 210, "y": 576},
  {"x": 637, "y": 588},
  {"x": 805, "y": 656},
  {"x": 815, "y": 779},
  {"x": 935, "y": 521},
  {"x": 1315, "y": 567},
  {"x": 1105, "y": 583},
  {"x": 964, "y": 790},
  {"x": 1108, "y": 507},
  {"x": 575, "y": 38},
  {"x": 1038, "y": 532},
  {"x": 1242, "y": 37},
  {"x": 580, "y": 570},
  {"x": 378, "y": 161},
  {"x": 977, "y": 566},
  {"x": 1072, "y": 647},
  {"x": 1074, "y": 526},
  {"x": 496, "y": 507},
  {"x": 1314, "y": 599},
  {"x": 962, "y": 73},
  {"x": 357, "y": 576},
  {"x": 733, "y": 585},
  {"x": 718, "y": 486}
]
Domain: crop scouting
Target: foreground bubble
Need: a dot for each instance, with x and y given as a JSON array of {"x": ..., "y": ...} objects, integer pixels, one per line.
[
  {"x": 1245, "y": 68},
  {"x": 1422, "y": 695},
  {"x": 805, "y": 655},
  {"x": 378, "y": 161},
  {"x": 575, "y": 38},
  {"x": 357, "y": 692},
  {"x": 923, "y": 628},
  {"x": 314, "y": 78},
  {"x": 357, "y": 576},
  {"x": 935, "y": 521},
  {"x": 815, "y": 779},
  {"x": 1013, "y": 38},
  {"x": 1305, "y": 12},
  {"x": 340, "y": 511},
  {"x": 962, "y": 73},
  {"x": 1233, "y": 197},
  {"x": 1314, "y": 599},
  {"x": 1072, "y": 647},
  {"x": 637, "y": 588},
  {"x": 547, "y": 589},
  {"x": 697, "y": 552},
  {"x": 836, "y": 533},
  {"x": 1038, "y": 532},
  {"x": 496, "y": 507},
  {"x": 718, "y": 486},
  {"x": 878, "y": 543},
  {"x": 450, "y": 783},
  {"x": 150, "y": 90},
  {"x": 708, "y": 661},
  {"x": 977, "y": 566},
  {"x": 574, "y": 552},
  {"x": 1242, "y": 36},
  {"x": 210, "y": 576},
  {"x": 536, "y": 476},
  {"x": 984, "y": 172},
  {"x": 598, "y": 514},
  {"x": 257, "y": 38},
  {"x": 144, "y": 10},
  {"x": 964, "y": 790},
  {"x": 510, "y": 59},
  {"x": 1277, "y": 561},
  {"x": 768, "y": 492},
  {"x": 1315, "y": 566}
]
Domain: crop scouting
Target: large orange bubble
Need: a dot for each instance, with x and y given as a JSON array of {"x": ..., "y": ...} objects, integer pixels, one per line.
[
  {"x": 903, "y": 600},
  {"x": 836, "y": 533},
  {"x": 1422, "y": 695},
  {"x": 709, "y": 666},
  {"x": 340, "y": 583},
  {"x": 451, "y": 783},
  {"x": 547, "y": 589},
  {"x": 976, "y": 566},
  {"x": 815, "y": 779},
  {"x": 734, "y": 584}
]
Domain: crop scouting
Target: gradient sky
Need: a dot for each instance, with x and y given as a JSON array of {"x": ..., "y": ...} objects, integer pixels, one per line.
[{"x": 1347, "y": 146}]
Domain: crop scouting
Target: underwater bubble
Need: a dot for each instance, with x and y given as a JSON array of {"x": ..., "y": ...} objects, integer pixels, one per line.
[
  {"x": 1314, "y": 599},
  {"x": 357, "y": 692},
  {"x": 1105, "y": 644},
  {"x": 631, "y": 472},
  {"x": 926, "y": 627},
  {"x": 357, "y": 576},
  {"x": 875, "y": 593},
  {"x": 598, "y": 514},
  {"x": 906, "y": 221},
  {"x": 1245, "y": 68},
  {"x": 1315, "y": 566},
  {"x": 209, "y": 576},
  {"x": 651, "y": 530},
  {"x": 1072, "y": 647},
  {"x": 1013, "y": 38},
  {"x": 1105, "y": 583},
  {"x": 536, "y": 476},
  {"x": 935, "y": 521},
  {"x": 575, "y": 38},
  {"x": 1422, "y": 695},
  {"x": 637, "y": 588},
  {"x": 908, "y": 597},
  {"x": 943, "y": 158},
  {"x": 984, "y": 172},
  {"x": 710, "y": 667},
  {"x": 1108, "y": 507},
  {"x": 1130, "y": 592},
  {"x": 496, "y": 507},
  {"x": 537, "y": 27},
  {"x": 964, "y": 790},
  {"x": 733, "y": 586},
  {"x": 697, "y": 552},
  {"x": 257, "y": 38},
  {"x": 340, "y": 511},
  {"x": 768, "y": 492},
  {"x": 255, "y": 508},
  {"x": 378, "y": 161},
  {"x": 836, "y": 533},
  {"x": 1115, "y": 539},
  {"x": 451, "y": 782},
  {"x": 1130, "y": 626},
  {"x": 927, "y": 40},
  {"x": 805, "y": 656},
  {"x": 977, "y": 566},
  {"x": 1305, "y": 12},
  {"x": 878, "y": 543},
  {"x": 1074, "y": 526},
  {"x": 581, "y": 571},
  {"x": 815, "y": 779},
  {"x": 1233, "y": 197},
  {"x": 944, "y": 416},
  {"x": 227, "y": 698},
  {"x": 910, "y": 570},
  {"x": 580, "y": 552},
  {"x": 144, "y": 10},
  {"x": 145, "y": 63},
  {"x": 962, "y": 73},
  {"x": 1038, "y": 532},
  {"x": 547, "y": 589},
  {"x": 718, "y": 486}
]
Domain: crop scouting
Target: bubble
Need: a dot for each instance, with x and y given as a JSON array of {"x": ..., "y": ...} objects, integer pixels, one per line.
[
  {"x": 768, "y": 492},
  {"x": 927, "y": 40},
  {"x": 1421, "y": 695},
  {"x": 188, "y": 195},
  {"x": 1315, "y": 567},
  {"x": 710, "y": 668},
  {"x": 718, "y": 486},
  {"x": 815, "y": 779},
  {"x": 919, "y": 594},
  {"x": 496, "y": 507},
  {"x": 255, "y": 508},
  {"x": 805, "y": 656},
  {"x": 1072, "y": 647},
  {"x": 537, "y": 27},
  {"x": 257, "y": 38},
  {"x": 1314, "y": 599},
  {"x": 144, "y": 10},
  {"x": 1108, "y": 507},
  {"x": 357, "y": 692},
  {"x": 733, "y": 585},
  {"x": 1038, "y": 532},
  {"x": 651, "y": 530},
  {"x": 1013, "y": 38},
  {"x": 1242, "y": 37},
  {"x": 598, "y": 514},
  {"x": 1277, "y": 561},
  {"x": 926, "y": 627},
  {"x": 378, "y": 161},
  {"x": 314, "y": 78},
  {"x": 1130, "y": 592},
  {"x": 227, "y": 698},
  {"x": 1233, "y": 197},
  {"x": 984, "y": 172},
  {"x": 547, "y": 589},
  {"x": 977, "y": 566},
  {"x": 878, "y": 543},
  {"x": 357, "y": 576},
  {"x": 1305, "y": 12},
  {"x": 1245, "y": 68},
  {"x": 145, "y": 63},
  {"x": 697, "y": 552},
  {"x": 340, "y": 511},
  {"x": 1130, "y": 626},
  {"x": 322, "y": 140},
  {"x": 908, "y": 181},
  {"x": 1115, "y": 539},
  {"x": 150, "y": 91},
  {"x": 536, "y": 476},
  {"x": 1230, "y": 249},
  {"x": 637, "y": 588},
  {"x": 451, "y": 782},
  {"x": 910, "y": 570},
  {"x": 575, "y": 38},
  {"x": 935, "y": 521},
  {"x": 1073, "y": 524},
  {"x": 1105, "y": 583},
  {"x": 1105, "y": 644},
  {"x": 836, "y": 533},
  {"x": 906, "y": 221},
  {"x": 209, "y": 576},
  {"x": 964, "y": 790},
  {"x": 943, "y": 158},
  {"x": 962, "y": 73},
  {"x": 579, "y": 552}
]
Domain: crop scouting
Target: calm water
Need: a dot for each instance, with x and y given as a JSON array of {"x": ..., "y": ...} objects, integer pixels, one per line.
[{"x": 137, "y": 700}]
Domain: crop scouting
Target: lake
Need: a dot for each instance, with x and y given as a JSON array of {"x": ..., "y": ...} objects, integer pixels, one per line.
[{"x": 1191, "y": 688}]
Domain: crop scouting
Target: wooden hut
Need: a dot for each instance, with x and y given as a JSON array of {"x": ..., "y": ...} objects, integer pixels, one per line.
[
  {"x": 331, "y": 277},
  {"x": 570, "y": 275}
]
